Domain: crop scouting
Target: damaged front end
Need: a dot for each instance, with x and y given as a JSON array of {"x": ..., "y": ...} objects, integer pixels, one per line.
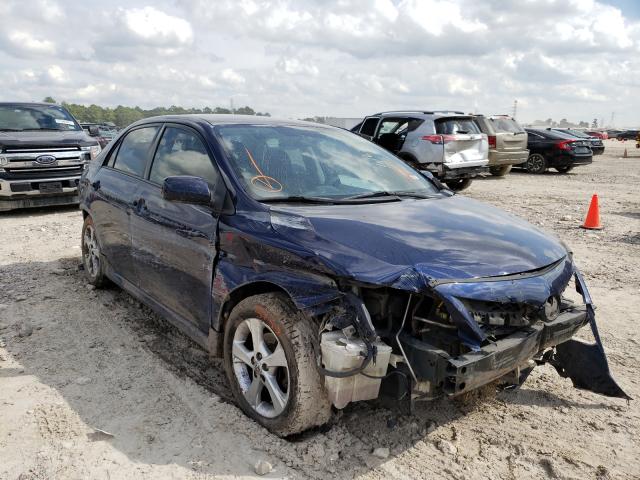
[{"x": 453, "y": 336}]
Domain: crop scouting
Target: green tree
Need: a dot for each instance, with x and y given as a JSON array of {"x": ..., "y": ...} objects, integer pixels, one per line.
[{"x": 49, "y": 100}]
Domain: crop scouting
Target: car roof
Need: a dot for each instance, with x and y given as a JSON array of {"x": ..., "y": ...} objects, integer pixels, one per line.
[
  {"x": 228, "y": 119},
  {"x": 422, "y": 113},
  {"x": 30, "y": 104},
  {"x": 549, "y": 133}
]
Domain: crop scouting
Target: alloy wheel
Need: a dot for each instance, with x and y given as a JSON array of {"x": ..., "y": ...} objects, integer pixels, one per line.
[
  {"x": 536, "y": 163},
  {"x": 260, "y": 367},
  {"x": 91, "y": 251}
]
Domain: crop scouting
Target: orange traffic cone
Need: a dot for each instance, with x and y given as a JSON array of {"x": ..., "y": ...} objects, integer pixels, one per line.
[{"x": 592, "y": 222}]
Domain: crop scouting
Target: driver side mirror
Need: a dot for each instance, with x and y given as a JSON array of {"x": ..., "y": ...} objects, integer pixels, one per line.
[
  {"x": 94, "y": 131},
  {"x": 184, "y": 189},
  {"x": 196, "y": 191}
]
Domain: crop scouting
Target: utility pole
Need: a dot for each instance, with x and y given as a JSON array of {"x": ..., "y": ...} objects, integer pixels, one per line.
[
  {"x": 613, "y": 114},
  {"x": 515, "y": 108}
]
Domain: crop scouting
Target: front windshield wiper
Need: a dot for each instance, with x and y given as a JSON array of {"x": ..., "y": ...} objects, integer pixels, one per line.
[
  {"x": 297, "y": 199},
  {"x": 45, "y": 129},
  {"x": 399, "y": 193}
]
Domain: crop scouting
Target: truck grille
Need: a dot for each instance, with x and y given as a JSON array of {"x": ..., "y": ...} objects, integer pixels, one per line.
[
  {"x": 25, "y": 162},
  {"x": 41, "y": 172}
]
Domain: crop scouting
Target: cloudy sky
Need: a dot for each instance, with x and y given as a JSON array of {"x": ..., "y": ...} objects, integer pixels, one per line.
[{"x": 578, "y": 59}]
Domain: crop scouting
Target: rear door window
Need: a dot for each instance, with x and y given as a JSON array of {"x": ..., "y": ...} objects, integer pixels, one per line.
[
  {"x": 181, "y": 152},
  {"x": 452, "y": 126},
  {"x": 505, "y": 125},
  {"x": 134, "y": 150},
  {"x": 369, "y": 126}
]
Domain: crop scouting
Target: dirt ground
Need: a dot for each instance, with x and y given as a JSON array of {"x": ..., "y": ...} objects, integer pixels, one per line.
[{"x": 76, "y": 363}]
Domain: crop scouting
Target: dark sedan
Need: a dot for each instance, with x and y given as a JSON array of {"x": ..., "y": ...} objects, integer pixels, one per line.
[
  {"x": 324, "y": 270},
  {"x": 597, "y": 147},
  {"x": 553, "y": 149}
]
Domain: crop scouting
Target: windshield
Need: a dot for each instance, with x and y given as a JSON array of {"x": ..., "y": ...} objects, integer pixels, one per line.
[
  {"x": 298, "y": 161},
  {"x": 35, "y": 117}
]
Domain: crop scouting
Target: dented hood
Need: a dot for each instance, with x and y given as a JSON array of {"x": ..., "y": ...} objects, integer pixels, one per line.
[{"x": 441, "y": 238}]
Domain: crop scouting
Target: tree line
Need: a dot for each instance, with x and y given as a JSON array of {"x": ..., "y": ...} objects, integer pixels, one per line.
[{"x": 122, "y": 116}]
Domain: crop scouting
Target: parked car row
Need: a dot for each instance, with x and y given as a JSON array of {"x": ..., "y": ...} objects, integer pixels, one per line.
[{"x": 455, "y": 147}]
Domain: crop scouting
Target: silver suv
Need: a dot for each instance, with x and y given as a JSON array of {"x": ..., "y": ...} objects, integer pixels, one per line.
[
  {"x": 447, "y": 144},
  {"x": 507, "y": 142}
]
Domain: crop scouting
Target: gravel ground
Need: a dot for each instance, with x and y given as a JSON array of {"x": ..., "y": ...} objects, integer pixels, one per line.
[{"x": 93, "y": 385}]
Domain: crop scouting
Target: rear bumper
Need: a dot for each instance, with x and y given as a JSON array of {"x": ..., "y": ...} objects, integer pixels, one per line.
[
  {"x": 462, "y": 172},
  {"x": 507, "y": 158},
  {"x": 565, "y": 160},
  {"x": 445, "y": 375},
  {"x": 16, "y": 194}
]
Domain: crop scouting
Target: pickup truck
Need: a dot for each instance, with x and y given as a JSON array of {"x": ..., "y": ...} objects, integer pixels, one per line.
[{"x": 43, "y": 152}]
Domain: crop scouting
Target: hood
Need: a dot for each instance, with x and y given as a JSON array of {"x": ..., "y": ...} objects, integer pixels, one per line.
[
  {"x": 46, "y": 138},
  {"x": 408, "y": 243}
]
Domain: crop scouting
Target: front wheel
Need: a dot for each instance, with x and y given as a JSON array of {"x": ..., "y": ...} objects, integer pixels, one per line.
[
  {"x": 91, "y": 258},
  {"x": 536, "y": 163},
  {"x": 269, "y": 359},
  {"x": 564, "y": 169},
  {"x": 500, "y": 171},
  {"x": 459, "y": 184}
]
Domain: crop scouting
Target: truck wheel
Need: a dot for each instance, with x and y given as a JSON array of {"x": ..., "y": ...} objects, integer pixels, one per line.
[
  {"x": 459, "y": 184},
  {"x": 564, "y": 169},
  {"x": 91, "y": 258},
  {"x": 500, "y": 171},
  {"x": 270, "y": 361},
  {"x": 536, "y": 163}
]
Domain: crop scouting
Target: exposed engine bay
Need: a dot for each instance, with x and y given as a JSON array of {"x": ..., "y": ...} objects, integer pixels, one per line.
[{"x": 406, "y": 346}]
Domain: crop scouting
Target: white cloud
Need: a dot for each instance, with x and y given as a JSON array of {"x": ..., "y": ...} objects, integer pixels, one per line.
[
  {"x": 56, "y": 74},
  {"x": 155, "y": 26},
  {"x": 232, "y": 77},
  {"x": 26, "y": 42}
]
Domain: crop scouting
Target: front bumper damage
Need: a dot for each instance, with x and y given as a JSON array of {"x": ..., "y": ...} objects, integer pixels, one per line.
[
  {"x": 438, "y": 373},
  {"x": 428, "y": 371}
]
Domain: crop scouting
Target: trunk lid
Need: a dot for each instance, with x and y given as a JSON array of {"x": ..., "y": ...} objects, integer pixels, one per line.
[{"x": 463, "y": 141}]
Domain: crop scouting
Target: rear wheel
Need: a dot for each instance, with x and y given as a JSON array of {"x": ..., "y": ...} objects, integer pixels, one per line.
[
  {"x": 269, "y": 359},
  {"x": 536, "y": 163},
  {"x": 564, "y": 169},
  {"x": 500, "y": 171},
  {"x": 458, "y": 184},
  {"x": 91, "y": 256}
]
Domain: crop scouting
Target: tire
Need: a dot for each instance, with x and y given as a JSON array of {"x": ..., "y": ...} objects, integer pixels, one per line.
[
  {"x": 564, "y": 169},
  {"x": 288, "y": 395},
  {"x": 92, "y": 259},
  {"x": 500, "y": 171},
  {"x": 459, "y": 184},
  {"x": 536, "y": 163}
]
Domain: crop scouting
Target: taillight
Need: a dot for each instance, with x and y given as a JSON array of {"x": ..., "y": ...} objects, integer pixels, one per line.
[
  {"x": 564, "y": 144},
  {"x": 439, "y": 139},
  {"x": 492, "y": 141}
]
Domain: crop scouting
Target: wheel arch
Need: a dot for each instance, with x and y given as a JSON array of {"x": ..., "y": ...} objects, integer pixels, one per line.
[{"x": 233, "y": 298}]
